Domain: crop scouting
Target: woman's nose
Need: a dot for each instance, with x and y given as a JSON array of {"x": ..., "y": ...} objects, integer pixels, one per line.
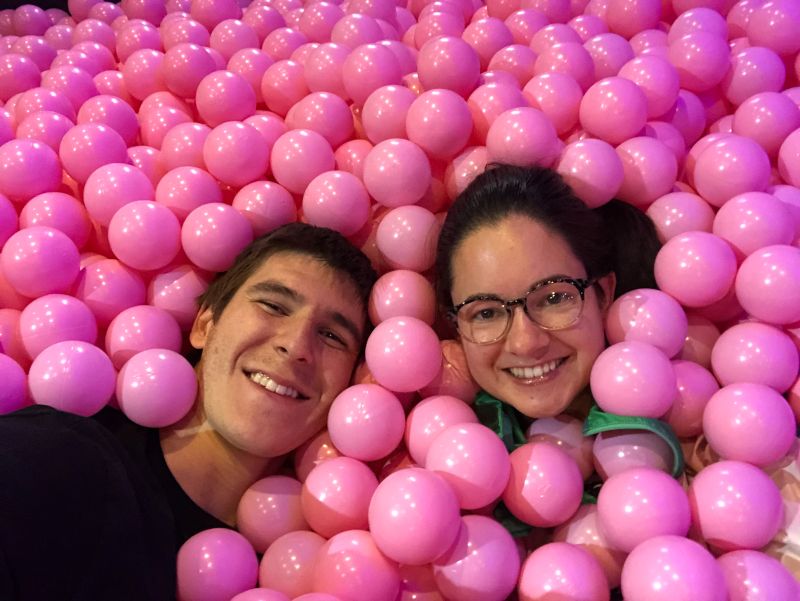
[{"x": 525, "y": 337}]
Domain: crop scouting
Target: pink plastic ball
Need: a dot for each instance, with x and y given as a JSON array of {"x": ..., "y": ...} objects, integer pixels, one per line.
[
  {"x": 232, "y": 35},
  {"x": 350, "y": 565},
  {"x": 299, "y": 156},
  {"x": 449, "y": 63},
  {"x": 633, "y": 378},
  {"x": 767, "y": 284},
  {"x": 89, "y": 146},
  {"x": 269, "y": 509},
  {"x": 672, "y": 568},
  {"x": 288, "y": 563},
  {"x": 323, "y": 69},
  {"x": 464, "y": 168},
  {"x": 731, "y": 166},
  {"x": 72, "y": 376},
  {"x": 609, "y": 52},
  {"x": 614, "y": 109},
  {"x": 641, "y": 503},
  {"x": 109, "y": 287},
  {"x": 354, "y": 30},
  {"x": 144, "y": 220},
  {"x": 754, "y": 576},
  {"x": 701, "y": 60},
  {"x": 787, "y": 158},
  {"x": 749, "y": 422},
  {"x": 384, "y": 113},
  {"x": 628, "y": 17},
  {"x": 753, "y": 220},
  {"x": 650, "y": 170},
  {"x": 42, "y": 99},
  {"x": 113, "y": 112},
  {"x": 156, "y": 122},
  {"x": 366, "y": 421},
  {"x": 182, "y": 145},
  {"x": 524, "y": 23},
  {"x": 413, "y": 516},
  {"x": 620, "y": 450},
  {"x": 236, "y": 153},
  {"x": 753, "y": 70},
  {"x": 266, "y": 205},
  {"x": 251, "y": 63},
  {"x": 214, "y": 234},
  {"x": 755, "y": 352},
  {"x": 735, "y": 506},
  {"x": 482, "y": 564},
  {"x": 336, "y": 200},
  {"x": 325, "y": 113},
  {"x": 522, "y": 136},
  {"x": 185, "y": 66},
  {"x": 489, "y": 101},
  {"x": 319, "y": 19},
  {"x": 696, "y": 385},
  {"x": 768, "y": 118},
  {"x": 10, "y": 337},
  {"x": 396, "y": 173},
  {"x": 592, "y": 169},
  {"x": 336, "y": 496},
  {"x": 183, "y": 31},
  {"x": 402, "y": 293},
  {"x": 260, "y": 594},
  {"x": 700, "y": 338},
  {"x": 566, "y": 433},
  {"x": 281, "y": 43},
  {"x": 406, "y": 238},
  {"x": 212, "y": 12},
  {"x": 519, "y": 61},
  {"x": 14, "y": 394},
  {"x": 562, "y": 570},
  {"x": 680, "y": 212},
  {"x": 429, "y": 418},
  {"x": 367, "y": 68},
  {"x": 224, "y": 96},
  {"x": 215, "y": 564},
  {"x": 112, "y": 186},
  {"x": 18, "y": 73},
  {"x": 156, "y": 388},
  {"x": 55, "y": 318},
  {"x": 139, "y": 329},
  {"x": 649, "y": 316},
  {"x": 695, "y": 268},
  {"x": 143, "y": 72},
  {"x": 186, "y": 188},
  {"x": 9, "y": 222},
  {"x": 569, "y": 58},
  {"x": 175, "y": 290},
  {"x": 28, "y": 168},
  {"x": 657, "y": 78},
  {"x": 40, "y": 260},
  {"x": 558, "y": 96},
  {"x": 76, "y": 84},
  {"x": 487, "y": 36},
  {"x": 439, "y": 122},
  {"x": 46, "y": 127},
  {"x": 545, "y": 486}
]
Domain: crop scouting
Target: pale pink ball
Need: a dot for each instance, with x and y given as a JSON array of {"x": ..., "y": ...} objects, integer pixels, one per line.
[
  {"x": 735, "y": 505},
  {"x": 72, "y": 376},
  {"x": 649, "y": 316},
  {"x": 545, "y": 486},
  {"x": 751, "y": 575},
  {"x": 768, "y": 118},
  {"x": 40, "y": 260},
  {"x": 366, "y": 421},
  {"x": 186, "y": 188},
  {"x": 299, "y": 156},
  {"x": 396, "y": 173},
  {"x": 558, "y": 96},
  {"x": 592, "y": 169},
  {"x": 55, "y": 318},
  {"x": 59, "y": 211},
  {"x": 701, "y": 60},
  {"x": 14, "y": 394},
  {"x": 464, "y": 168},
  {"x": 569, "y": 58},
  {"x": 215, "y": 564},
  {"x": 269, "y": 509},
  {"x": 439, "y": 122},
  {"x": 236, "y": 153},
  {"x": 214, "y": 234},
  {"x": 325, "y": 113},
  {"x": 182, "y": 145},
  {"x": 139, "y": 329},
  {"x": 731, "y": 166},
  {"x": 266, "y": 205},
  {"x": 28, "y": 168},
  {"x": 109, "y": 287},
  {"x": 767, "y": 284},
  {"x": 614, "y": 109},
  {"x": 490, "y": 100},
  {"x": 336, "y": 200},
  {"x": 680, "y": 212},
  {"x": 141, "y": 221},
  {"x": 323, "y": 69},
  {"x": 753, "y": 220},
  {"x": 336, "y": 496},
  {"x": 89, "y": 146},
  {"x": 288, "y": 563},
  {"x": 224, "y": 96},
  {"x": 449, "y": 63},
  {"x": 175, "y": 290},
  {"x": 517, "y": 60},
  {"x": 384, "y": 113},
  {"x": 281, "y": 43},
  {"x": 650, "y": 170},
  {"x": 429, "y": 418},
  {"x": 633, "y": 378},
  {"x": 695, "y": 268},
  {"x": 367, "y": 68},
  {"x": 402, "y": 293},
  {"x": 414, "y": 516},
  {"x": 522, "y": 136},
  {"x": 621, "y": 450},
  {"x": 562, "y": 570},
  {"x": 696, "y": 385},
  {"x": 406, "y": 238},
  {"x": 112, "y": 186},
  {"x": 640, "y": 503}
]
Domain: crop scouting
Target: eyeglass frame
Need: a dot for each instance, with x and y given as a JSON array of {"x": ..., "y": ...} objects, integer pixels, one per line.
[{"x": 581, "y": 284}]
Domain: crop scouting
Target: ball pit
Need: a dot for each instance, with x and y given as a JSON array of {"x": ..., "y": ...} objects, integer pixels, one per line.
[{"x": 144, "y": 144}]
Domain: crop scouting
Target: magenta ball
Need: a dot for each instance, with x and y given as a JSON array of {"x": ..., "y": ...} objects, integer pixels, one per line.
[
  {"x": 429, "y": 418},
  {"x": 406, "y": 238},
  {"x": 650, "y": 170},
  {"x": 184, "y": 189},
  {"x": 755, "y": 576},
  {"x": 156, "y": 388},
  {"x": 620, "y": 450},
  {"x": 269, "y": 509},
  {"x": 224, "y": 96},
  {"x": 111, "y": 187},
  {"x": 366, "y": 422},
  {"x": 522, "y": 136},
  {"x": 336, "y": 200},
  {"x": 367, "y": 68},
  {"x": 753, "y": 70},
  {"x": 397, "y": 173},
  {"x": 18, "y": 73},
  {"x": 111, "y": 111},
  {"x": 55, "y": 318},
  {"x": 9, "y": 222},
  {"x": 215, "y": 564},
  {"x": 448, "y": 63},
  {"x": 401, "y": 293},
  {"x": 650, "y": 316},
  {"x": 298, "y": 156},
  {"x": 336, "y": 496},
  {"x": 266, "y": 205},
  {"x": 640, "y": 503},
  {"x": 696, "y": 385},
  {"x": 236, "y": 153},
  {"x": 89, "y": 146},
  {"x": 28, "y": 168},
  {"x": 175, "y": 290},
  {"x": 489, "y": 101},
  {"x": 755, "y": 352},
  {"x": 138, "y": 329},
  {"x": 614, "y": 109},
  {"x": 695, "y": 268},
  {"x": 592, "y": 169},
  {"x": 768, "y": 118},
  {"x": 40, "y": 260},
  {"x": 413, "y": 516},
  {"x": 768, "y": 284},
  {"x": 72, "y": 376},
  {"x": 672, "y": 568},
  {"x": 14, "y": 394},
  {"x": 545, "y": 486},
  {"x": 680, "y": 212},
  {"x": 439, "y": 122},
  {"x": 214, "y": 234},
  {"x": 403, "y": 354},
  {"x": 735, "y": 506},
  {"x": 562, "y": 570},
  {"x": 351, "y": 566},
  {"x": 729, "y": 167},
  {"x": 325, "y": 113},
  {"x": 141, "y": 221},
  {"x": 482, "y": 564},
  {"x": 288, "y": 563},
  {"x": 633, "y": 378},
  {"x": 701, "y": 60},
  {"x": 59, "y": 211},
  {"x": 182, "y": 146},
  {"x": 384, "y": 113},
  {"x": 749, "y": 422},
  {"x": 109, "y": 287}
]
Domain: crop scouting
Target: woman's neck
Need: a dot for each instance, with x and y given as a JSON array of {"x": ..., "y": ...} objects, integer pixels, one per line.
[{"x": 210, "y": 470}]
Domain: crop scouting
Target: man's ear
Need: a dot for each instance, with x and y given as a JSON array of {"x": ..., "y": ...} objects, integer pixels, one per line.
[
  {"x": 608, "y": 283},
  {"x": 198, "y": 335}
]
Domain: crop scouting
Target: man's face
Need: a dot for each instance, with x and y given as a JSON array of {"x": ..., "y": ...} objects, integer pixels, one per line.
[{"x": 281, "y": 351}]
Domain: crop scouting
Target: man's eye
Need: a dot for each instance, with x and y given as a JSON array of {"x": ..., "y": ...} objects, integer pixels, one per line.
[
  {"x": 334, "y": 339},
  {"x": 273, "y": 308}
]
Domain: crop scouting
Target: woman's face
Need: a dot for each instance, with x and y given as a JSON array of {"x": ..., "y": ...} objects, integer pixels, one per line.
[{"x": 506, "y": 260}]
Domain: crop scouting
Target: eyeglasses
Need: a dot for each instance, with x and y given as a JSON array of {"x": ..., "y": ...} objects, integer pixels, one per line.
[{"x": 552, "y": 304}]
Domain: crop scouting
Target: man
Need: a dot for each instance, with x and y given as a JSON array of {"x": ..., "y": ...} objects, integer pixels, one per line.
[{"x": 96, "y": 508}]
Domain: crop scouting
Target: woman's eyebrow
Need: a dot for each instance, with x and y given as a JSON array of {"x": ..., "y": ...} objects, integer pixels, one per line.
[{"x": 493, "y": 296}]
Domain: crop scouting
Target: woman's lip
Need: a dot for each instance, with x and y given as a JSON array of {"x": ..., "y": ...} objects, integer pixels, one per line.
[{"x": 543, "y": 379}]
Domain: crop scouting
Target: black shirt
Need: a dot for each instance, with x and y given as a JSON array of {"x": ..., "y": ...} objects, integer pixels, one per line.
[{"x": 88, "y": 509}]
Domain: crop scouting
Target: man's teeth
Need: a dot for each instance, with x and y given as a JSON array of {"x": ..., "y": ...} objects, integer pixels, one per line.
[
  {"x": 271, "y": 385},
  {"x": 537, "y": 371}
]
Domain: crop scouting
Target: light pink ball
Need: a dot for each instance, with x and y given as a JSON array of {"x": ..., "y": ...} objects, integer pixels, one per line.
[
  {"x": 753, "y": 576},
  {"x": 558, "y": 96},
  {"x": 439, "y": 122},
  {"x": 299, "y": 156},
  {"x": 680, "y": 212},
  {"x": 367, "y": 68},
  {"x": 325, "y": 113},
  {"x": 406, "y": 237},
  {"x": 224, "y": 96},
  {"x": 650, "y": 316},
  {"x": 768, "y": 118},
  {"x": 185, "y": 66},
  {"x": 323, "y": 69},
  {"x": 14, "y": 394},
  {"x": 545, "y": 486},
  {"x": 46, "y": 127},
  {"x": 592, "y": 169},
  {"x": 215, "y": 564},
  {"x": 753, "y": 220},
  {"x": 269, "y": 509},
  {"x": 402, "y": 293},
  {"x": 89, "y": 146},
  {"x": 657, "y": 78},
  {"x": 562, "y": 570},
  {"x": 569, "y": 58},
  {"x": 788, "y": 155},
  {"x": 366, "y": 421},
  {"x": 449, "y": 63},
  {"x": 336, "y": 200},
  {"x": 184, "y": 189},
  {"x": 288, "y": 563},
  {"x": 566, "y": 433},
  {"x": 266, "y": 205},
  {"x": 487, "y": 36},
  {"x": 336, "y": 496},
  {"x": 620, "y": 450},
  {"x": 753, "y": 70},
  {"x": 42, "y": 99},
  {"x": 141, "y": 221},
  {"x": 18, "y": 73},
  {"x": 236, "y": 153},
  {"x": 112, "y": 186},
  {"x": 384, "y": 113},
  {"x": 182, "y": 145},
  {"x": 767, "y": 284},
  {"x": 213, "y": 235},
  {"x": 735, "y": 505},
  {"x": 397, "y": 173},
  {"x": 429, "y": 418},
  {"x": 633, "y": 378},
  {"x": 72, "y": 376},
  {"x": 522, "y": 136},
  {"x": 613, "y": 109},
  {"x": 609, "y": 52},
  {"x": 40, "y": 260},
  {"x": 489, "y": 101},
  {"x": 109, "y": 287},
  {"x": 701, "y": 60},
  {"x": 731, "y": 166},
  {"x": 175, "y": 290},
  {"x": 139, "y": 329},
  {"x": 28, "y": 168},
  {"x": 59, "y": 211},
  {"x": 696, "y": 385},
  {"x": 650, "y": 170},
  {"x": 55, "y": 318}
]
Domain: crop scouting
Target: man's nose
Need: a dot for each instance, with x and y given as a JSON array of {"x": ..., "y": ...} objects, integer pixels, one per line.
[
  {"x": 295, "y": 339},
  {"x": 525, "y": 337}
]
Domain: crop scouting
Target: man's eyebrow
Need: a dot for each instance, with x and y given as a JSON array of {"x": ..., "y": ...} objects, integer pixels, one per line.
[
  {"x": 347, "y": 324},
  {"x": 275, "y": 287}
]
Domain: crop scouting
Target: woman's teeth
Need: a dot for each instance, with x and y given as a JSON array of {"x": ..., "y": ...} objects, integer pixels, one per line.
[
  {"x": 270, "y": 384},
  {"x": 537, "y": 371}
]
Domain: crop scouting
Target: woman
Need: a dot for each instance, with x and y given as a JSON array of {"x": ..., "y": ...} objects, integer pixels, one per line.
[{"x": 526, "y": 272}]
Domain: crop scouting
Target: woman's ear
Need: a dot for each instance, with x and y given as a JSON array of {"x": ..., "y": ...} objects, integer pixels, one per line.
[
  {"x": 198, "y": 335},
  {"x": 608, "y": 284}
]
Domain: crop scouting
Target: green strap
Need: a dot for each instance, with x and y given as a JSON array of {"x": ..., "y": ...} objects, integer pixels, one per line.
[
  {"x": 599, "y": 421},
  {"x": 500, "y": 417}
]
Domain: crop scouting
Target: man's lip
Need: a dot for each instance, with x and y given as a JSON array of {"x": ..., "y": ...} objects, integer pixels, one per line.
[{"x": 302, "y": 394}]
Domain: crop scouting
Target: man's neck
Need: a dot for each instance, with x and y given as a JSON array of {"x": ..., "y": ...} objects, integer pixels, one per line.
[{"x": 212, "y": 472}]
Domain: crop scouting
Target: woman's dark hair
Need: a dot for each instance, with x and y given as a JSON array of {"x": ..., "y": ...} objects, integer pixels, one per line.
[{"x": 616, "y": 237}]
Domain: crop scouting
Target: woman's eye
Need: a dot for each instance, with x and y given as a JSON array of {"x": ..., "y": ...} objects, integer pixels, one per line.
[
  {"x": 556, "y": 298},
  {"x": 484, "y": 314}
]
